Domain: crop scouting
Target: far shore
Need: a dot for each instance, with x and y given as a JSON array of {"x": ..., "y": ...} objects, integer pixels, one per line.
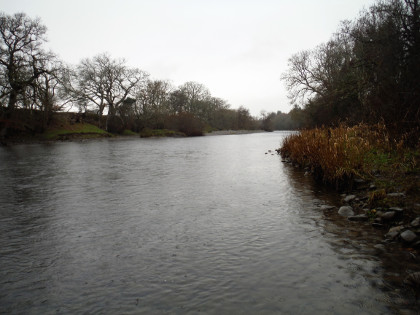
[
  {"x": 76, "y": 136},
  {"x": 232, "y": 132}
]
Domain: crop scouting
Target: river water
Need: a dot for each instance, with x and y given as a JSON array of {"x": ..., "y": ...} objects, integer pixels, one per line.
[{"x": 215, "y": 224}]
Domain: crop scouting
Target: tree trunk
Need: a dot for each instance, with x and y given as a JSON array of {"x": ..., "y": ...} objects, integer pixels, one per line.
[{"x": 12, "y": 100}]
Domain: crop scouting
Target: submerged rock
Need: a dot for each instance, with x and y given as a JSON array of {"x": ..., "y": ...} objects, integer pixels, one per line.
[
  {"x": 396, "y": 195},
  {"x": 359, "y": 218},
  {"x": 394, "y": 232},
  {"x": 396, "y": 229},
  {"x": 387, "y": 216},
  {"x": 397, "y": 209},
  {"x": 408, "y": 236},
  {"x": 415, "y": 222},
  {"x": 327, "y": 207},
  {"x": 377, "y": 225},
  {"x": 391, "y": 235},
  {"x": 380, "y": 247},
  {"x": 346, "y": 211},
  {"x": 349, "y": 198}
]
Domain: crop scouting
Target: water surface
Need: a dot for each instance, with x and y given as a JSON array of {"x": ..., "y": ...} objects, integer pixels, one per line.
[{"x": 210, "y": 224}]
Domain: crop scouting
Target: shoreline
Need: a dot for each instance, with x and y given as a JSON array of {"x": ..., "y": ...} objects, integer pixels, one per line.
[
  {"x": 378, "y": 182},
  {"x": 38, "y": 139},
  {"x": 232, "y": 132}
]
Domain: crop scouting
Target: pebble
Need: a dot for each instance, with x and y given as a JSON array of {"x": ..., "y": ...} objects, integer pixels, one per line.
[
  {"x": 408, "y": 236},
  {"x": 346, "y": 211}
]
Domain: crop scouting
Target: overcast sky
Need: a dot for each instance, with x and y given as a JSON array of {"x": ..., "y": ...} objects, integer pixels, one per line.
[{"x": 237, "y": 48}]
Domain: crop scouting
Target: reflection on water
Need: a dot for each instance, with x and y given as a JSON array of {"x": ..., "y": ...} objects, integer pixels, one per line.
[{"x": 210, "y": 224}]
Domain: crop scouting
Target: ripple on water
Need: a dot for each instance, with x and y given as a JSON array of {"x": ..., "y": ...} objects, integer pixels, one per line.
[{"x": 176, "y": 226}]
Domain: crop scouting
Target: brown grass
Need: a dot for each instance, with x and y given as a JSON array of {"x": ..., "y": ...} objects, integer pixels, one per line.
[{"x": 338, "y": 155}]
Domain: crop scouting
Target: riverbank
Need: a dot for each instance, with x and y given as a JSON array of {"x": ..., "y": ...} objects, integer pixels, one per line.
[
  {"x": 378, "y": 178},
  {"x": 231, "y": 132},
  {"x": 69, "y": 130}
]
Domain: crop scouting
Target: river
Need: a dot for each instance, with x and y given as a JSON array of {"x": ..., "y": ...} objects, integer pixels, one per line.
[{"x": 215, "y": 224}]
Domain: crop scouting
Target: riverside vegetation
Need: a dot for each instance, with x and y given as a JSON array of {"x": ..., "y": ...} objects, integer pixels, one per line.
[
  {"x": 39, "y": 92},
  {"x": 378, "y": 175}
]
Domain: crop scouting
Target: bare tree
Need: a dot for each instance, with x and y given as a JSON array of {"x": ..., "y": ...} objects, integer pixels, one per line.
[
  {"x": 153, "y": 97},
  {"x": 196, "y": 93},
  {"x": 106, "y": 83},
  {"x": 22, "y": 59}
]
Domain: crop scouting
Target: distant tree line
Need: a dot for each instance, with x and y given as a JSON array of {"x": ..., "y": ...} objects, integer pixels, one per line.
[
  {"x": 368, "y": 72},
  {"x": 34, "y": 84}
]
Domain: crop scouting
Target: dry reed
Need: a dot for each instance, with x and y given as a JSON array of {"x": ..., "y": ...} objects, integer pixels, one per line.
[{"x": 338, "y": 155}]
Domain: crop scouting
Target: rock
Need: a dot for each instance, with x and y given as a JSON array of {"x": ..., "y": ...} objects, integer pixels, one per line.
[
  {"x": 408, "y": 236},
  {"x": 377, "y": 225},
  {"x": 349, "y": 198},
  {"x": 387, "y": 216},
  {"x": 379, "y": 214},
  {"x": 346, "y": 211},
  {"x": 397, "y": 209},
  {"x": 358, "y": 218},
  {"x": 391, "y": 235},
  {"x": 380, "y": 247},
  {"x": 377, "y": 220},
  {"x": 327, "y": 207},
  {"x": 393, "y": 232},
  {"x": 415, "y": 222},
  {"x": 396, "y": 229},
  {"x": 396, "y": 195}
]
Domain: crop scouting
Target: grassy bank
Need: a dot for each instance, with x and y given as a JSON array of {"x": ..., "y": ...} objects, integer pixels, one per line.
[
  {"x": 339, "y": 156},
  {"x": 78, "y": 130}
]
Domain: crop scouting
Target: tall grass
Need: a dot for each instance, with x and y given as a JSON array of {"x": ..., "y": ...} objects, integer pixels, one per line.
[{"x": 338, "y": 155}]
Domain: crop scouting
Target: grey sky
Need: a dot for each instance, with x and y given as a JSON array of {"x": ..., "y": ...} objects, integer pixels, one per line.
[{"x": 237, "y": 48}]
